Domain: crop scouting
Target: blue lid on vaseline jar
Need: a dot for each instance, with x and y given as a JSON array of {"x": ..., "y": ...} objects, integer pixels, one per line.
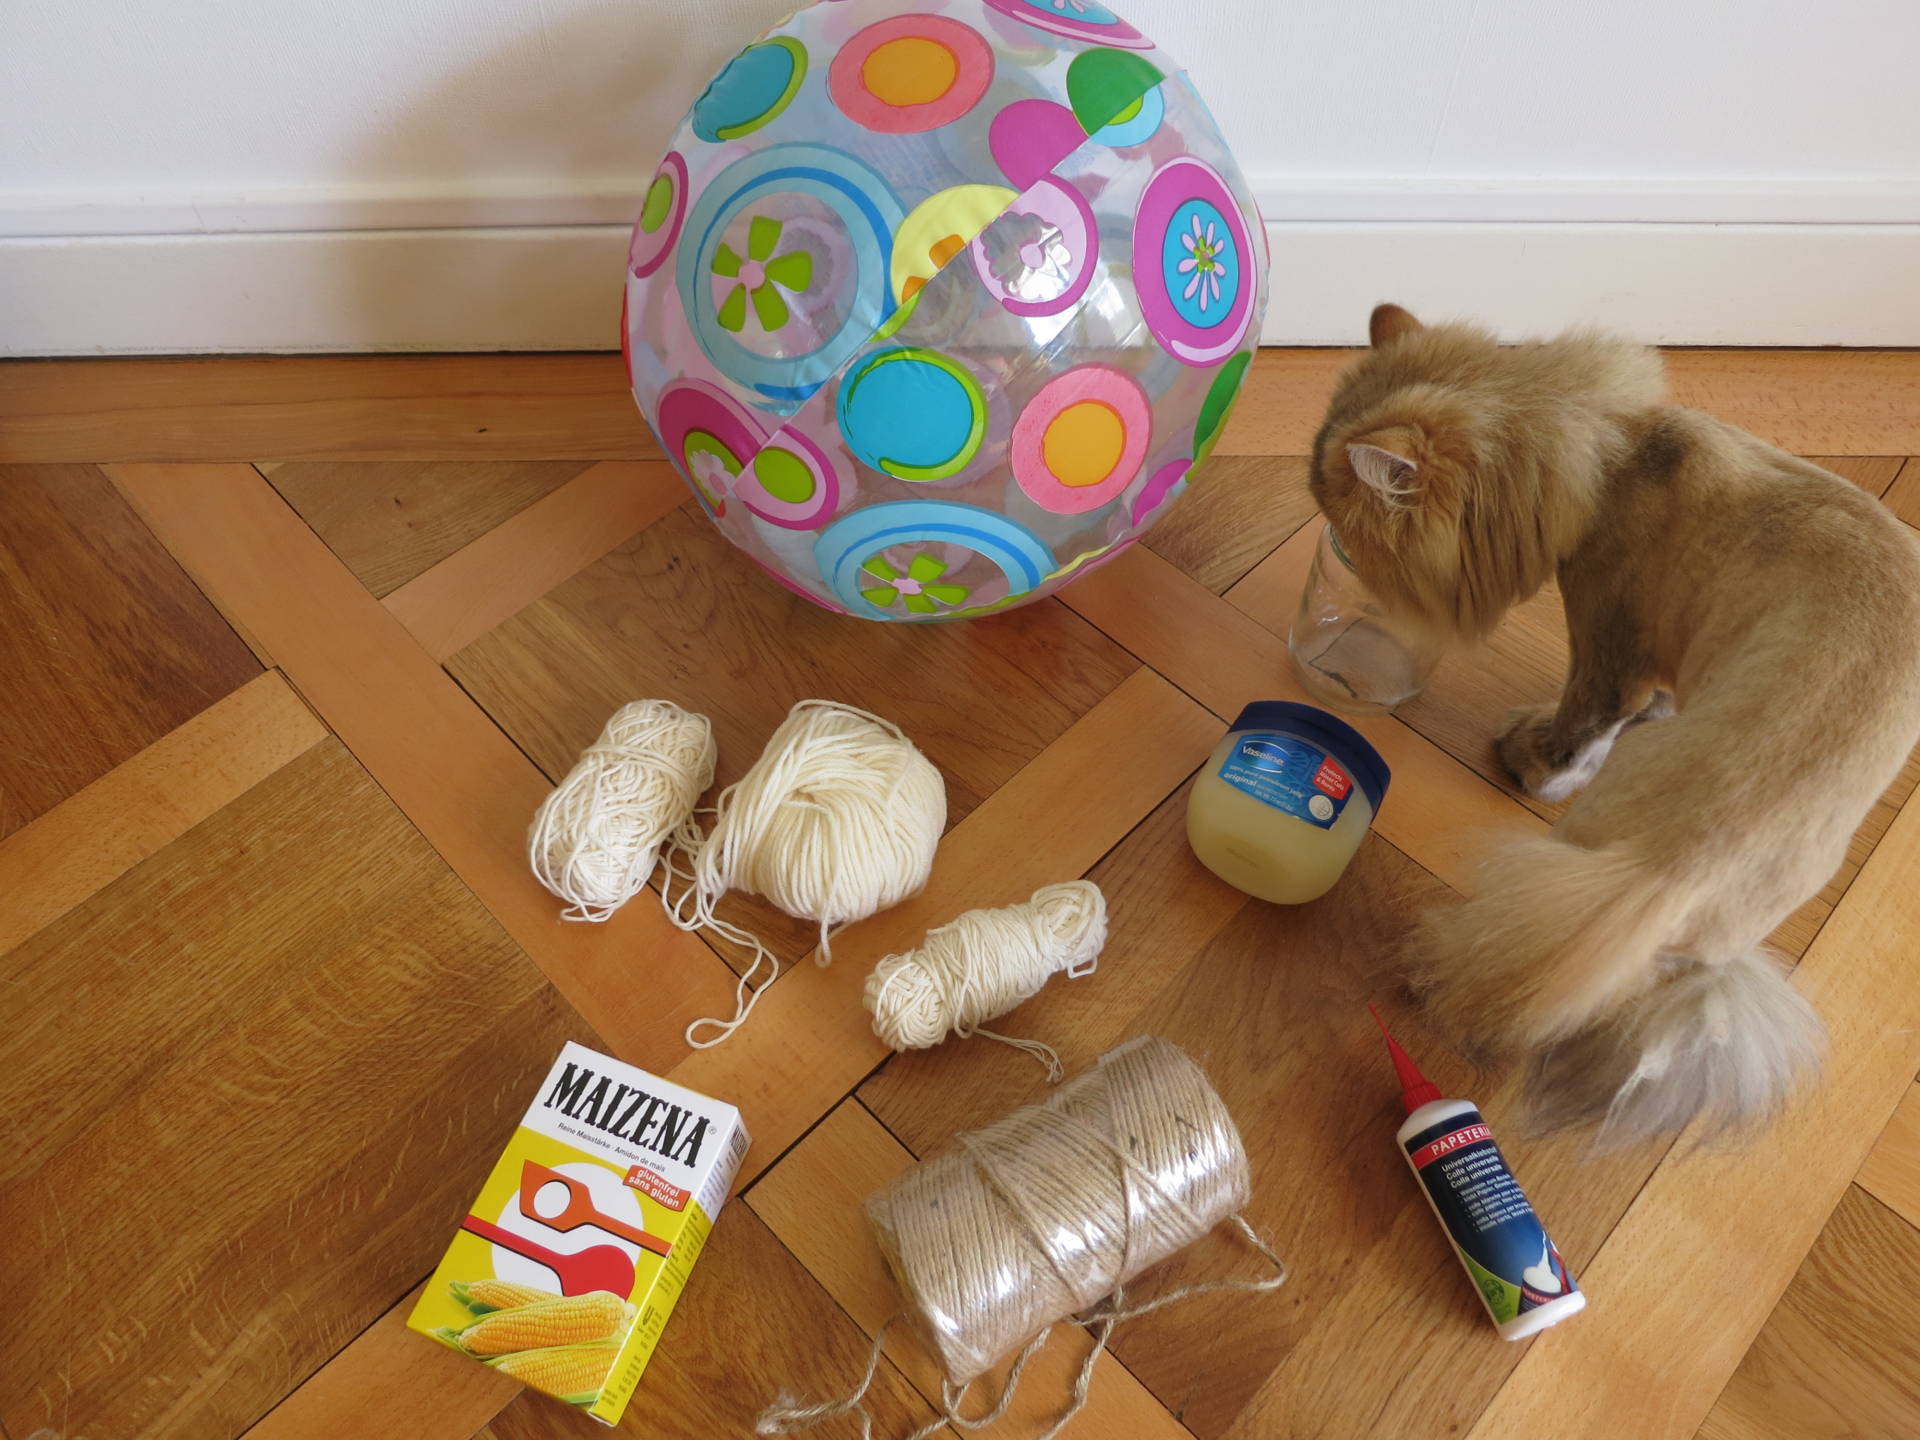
[{"x": 1330, "y": 733}]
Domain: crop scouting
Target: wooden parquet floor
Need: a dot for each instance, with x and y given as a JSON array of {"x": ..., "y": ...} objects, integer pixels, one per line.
[{"x": 291, "y": 649}]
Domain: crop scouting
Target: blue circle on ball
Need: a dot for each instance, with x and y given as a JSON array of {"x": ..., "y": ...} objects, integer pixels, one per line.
[
  {"x": 757, "y": 84},
  {"x": 1201, "y": 265},
  {"x": 913, "y": 414},
  {"x": 847, "y": 544},
  {"x": 868, "y": 215}
]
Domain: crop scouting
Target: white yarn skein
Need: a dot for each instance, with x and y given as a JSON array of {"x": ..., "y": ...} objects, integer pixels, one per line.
[
  {"x": 594, "y": 840},
  {"x": 979, "y": 966},
  {"x": 837, "y": 820}
]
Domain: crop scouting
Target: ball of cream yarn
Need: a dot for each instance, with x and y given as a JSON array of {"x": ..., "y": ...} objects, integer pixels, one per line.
[
  {"x": 595, "y": 839},
  {"x": 837, "y": 820},
  {"x": 981, "y": 965}
]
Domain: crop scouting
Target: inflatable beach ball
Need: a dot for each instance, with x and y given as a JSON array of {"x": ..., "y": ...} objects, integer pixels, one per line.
[{"x": 938, "y": 307}]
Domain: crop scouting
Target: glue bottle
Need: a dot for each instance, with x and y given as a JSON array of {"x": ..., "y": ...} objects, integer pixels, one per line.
[{"x": 1502, "y": 1246}]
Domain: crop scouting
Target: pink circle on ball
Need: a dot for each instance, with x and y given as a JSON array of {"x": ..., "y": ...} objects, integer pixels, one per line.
[
  {"x": 694, "y": 417},
  {"x": 626, "y": 337},
  {"x": 1177, "y": 186},
  {"x": 1080, "y": 19},
  {"x": 1066, "y": 454},
  {"x": 907, "y": 111},
  {"x": 1030, "y": 137},
  {"x": 648, "y": 250},
  {"x": 1167, "y": 481}
]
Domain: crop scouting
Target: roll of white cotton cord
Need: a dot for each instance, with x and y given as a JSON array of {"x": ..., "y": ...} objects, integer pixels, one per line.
[
  {"x": 982, "y": 964},
  {"x": 595, "y": 839},
  {"x": 837, "y": 820}
]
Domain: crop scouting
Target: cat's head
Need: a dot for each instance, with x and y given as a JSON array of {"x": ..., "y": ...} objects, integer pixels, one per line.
[{"x": 1457, "y": 471}]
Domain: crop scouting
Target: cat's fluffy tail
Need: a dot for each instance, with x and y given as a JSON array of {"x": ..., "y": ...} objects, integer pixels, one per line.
[{"x": 1574, "y": 956}]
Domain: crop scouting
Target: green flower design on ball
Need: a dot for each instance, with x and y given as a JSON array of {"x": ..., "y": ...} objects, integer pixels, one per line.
[
  {"x": 762, "y": 276},
  {"x": 918, "y": 588}
]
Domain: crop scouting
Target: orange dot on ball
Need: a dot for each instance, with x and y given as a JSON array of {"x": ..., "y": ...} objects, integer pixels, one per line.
[
  {"x": 912, "y": 70},
  {"x": 1083, "y": 443}
]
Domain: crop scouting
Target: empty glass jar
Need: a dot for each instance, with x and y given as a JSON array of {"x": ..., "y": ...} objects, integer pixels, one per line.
[{"x": 1351, "y": 653}]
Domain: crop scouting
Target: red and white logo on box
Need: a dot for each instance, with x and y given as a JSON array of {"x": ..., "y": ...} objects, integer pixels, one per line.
[{"x": 657, "y": 1188}]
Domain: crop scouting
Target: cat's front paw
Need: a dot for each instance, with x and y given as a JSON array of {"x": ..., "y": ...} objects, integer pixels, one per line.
[
  {"x": 1522, "y": 745},
  {"x": 1542, "y": 767}
]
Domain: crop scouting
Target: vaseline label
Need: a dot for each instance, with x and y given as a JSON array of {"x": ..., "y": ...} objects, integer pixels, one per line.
[
  {"x": 1489, "y": 1220},
  {"x": 1290, "y": 775}
]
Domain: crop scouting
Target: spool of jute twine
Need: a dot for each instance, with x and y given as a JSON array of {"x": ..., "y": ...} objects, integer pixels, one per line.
[{"x": 1051, "y": 1212}]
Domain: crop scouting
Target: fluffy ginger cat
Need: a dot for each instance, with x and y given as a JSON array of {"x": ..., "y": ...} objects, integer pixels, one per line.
[{"x": 1745, "y": 639}]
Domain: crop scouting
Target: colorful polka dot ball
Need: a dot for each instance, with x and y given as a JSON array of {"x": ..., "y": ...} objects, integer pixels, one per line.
[{"x": 937, "y": 308}]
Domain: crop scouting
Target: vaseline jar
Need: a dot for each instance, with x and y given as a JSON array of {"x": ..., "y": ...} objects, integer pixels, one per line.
[{"x": 1284, "y": 801}]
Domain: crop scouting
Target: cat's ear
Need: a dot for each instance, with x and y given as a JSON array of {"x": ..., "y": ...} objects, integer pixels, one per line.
[
  {"x": 1385, "y": 465},
  {"x": 1388, "y": 323}
]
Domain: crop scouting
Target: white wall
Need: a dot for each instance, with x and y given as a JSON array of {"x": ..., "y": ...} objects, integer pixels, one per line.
[
  {"x": 358, "y": 173},
  {"x": 1421, "y": 105}
]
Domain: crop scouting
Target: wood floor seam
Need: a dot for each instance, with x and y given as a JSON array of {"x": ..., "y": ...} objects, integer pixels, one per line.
[
  {"x": 744, "y": 1186},
  {"x": 447, "y": 763},
  {"x": 148, "y": 801},
  {"x": 885, "y": 1359},
  {"x": 266, "y": 1416},
  {"x": 478, "y": 586}
]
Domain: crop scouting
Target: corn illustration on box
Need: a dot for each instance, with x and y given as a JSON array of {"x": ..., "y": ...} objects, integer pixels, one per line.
[{"x": 568, "y": 1264}]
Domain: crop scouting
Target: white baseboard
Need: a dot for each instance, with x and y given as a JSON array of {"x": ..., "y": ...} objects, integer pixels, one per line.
[
  {"x": 536, "y": 288},
  {"x": 363, "y": 205},
  {"x": 613, "y": 200},
  {"x": 1605, "y": 200},
  {"x": 1856, "y": 285},
  {"x": 557, "y": 287}
]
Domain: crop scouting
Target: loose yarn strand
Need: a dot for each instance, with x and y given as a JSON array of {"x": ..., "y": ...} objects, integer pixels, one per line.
[
  {"x": 786, "y": 1416},
  {"x": 692, "y": 910},
  {"x": 951, "y": 1396},
  {"x": 1119, "y": 1311},
  {"x": 982, "y": 964},
  {"x": 1104, "y": 1319},
  {"x": 1048, "y": 1057}
]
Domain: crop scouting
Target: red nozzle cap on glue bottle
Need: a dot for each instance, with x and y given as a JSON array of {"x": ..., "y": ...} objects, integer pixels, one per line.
[{"x": 1415, "y": 1089}]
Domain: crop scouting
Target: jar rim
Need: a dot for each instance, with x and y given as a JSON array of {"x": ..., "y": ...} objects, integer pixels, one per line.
[{"x": 1309, "y": 722}]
